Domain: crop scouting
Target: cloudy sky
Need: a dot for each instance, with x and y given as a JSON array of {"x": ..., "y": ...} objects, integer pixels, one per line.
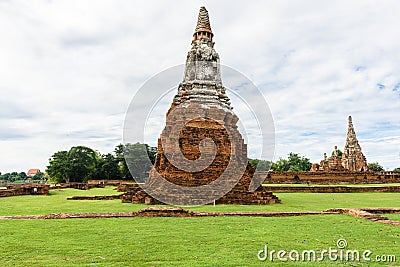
[{"x": 69, "y": 69}]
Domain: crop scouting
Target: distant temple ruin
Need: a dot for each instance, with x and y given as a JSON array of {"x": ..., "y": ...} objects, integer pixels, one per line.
[
  {"x": 351, "y": 159},
  {"x": 200, "y": 110}
]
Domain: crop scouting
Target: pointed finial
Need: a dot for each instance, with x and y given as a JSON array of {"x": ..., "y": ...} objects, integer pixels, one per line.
[
  {"x": 203, "y": 28},
  {"x": 203, "y": 22},
  {"x": 350, "y": 119}
]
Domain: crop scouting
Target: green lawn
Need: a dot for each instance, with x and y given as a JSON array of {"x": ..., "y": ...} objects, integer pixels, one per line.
[
  {"x": 56, "y": 202},
  {"x": 207, "y": 241},
  {"x": 315, "y": 202},
  {"x": 395, "y": 217}
]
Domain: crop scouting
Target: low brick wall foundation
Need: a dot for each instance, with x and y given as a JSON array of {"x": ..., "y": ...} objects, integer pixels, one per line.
[
  {"x": 25, "y": 189},
  {"x": 367, "y": 213},
  {"x": 161, "y": 212},
  {"x": 95, "y": 197},
  {"x": 338, "y": 177},
  {"x": 333, "y": 189},
  {"x": 370, "y": 214}
]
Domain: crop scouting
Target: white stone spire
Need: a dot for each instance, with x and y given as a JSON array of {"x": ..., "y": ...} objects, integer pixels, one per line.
[{"x": 202, "y": 78}]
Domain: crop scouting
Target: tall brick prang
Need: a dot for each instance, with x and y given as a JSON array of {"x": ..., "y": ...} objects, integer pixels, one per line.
[
  {"x": 200, "y": 112},
  {"x": 353, "y": 159}
]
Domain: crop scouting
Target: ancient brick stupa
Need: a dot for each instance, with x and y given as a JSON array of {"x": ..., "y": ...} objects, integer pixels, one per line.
[
  {"x": 353, "y": 159},
  {"x": 189, "y": 168}
]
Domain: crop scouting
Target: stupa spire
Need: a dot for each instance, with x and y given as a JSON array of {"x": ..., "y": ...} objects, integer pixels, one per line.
[
  {"x": 203, "y": 27},
  {"x": 202, "y": 77},
  {"x": 353, "y": 159},
  {"x": 350, "y": 131}
]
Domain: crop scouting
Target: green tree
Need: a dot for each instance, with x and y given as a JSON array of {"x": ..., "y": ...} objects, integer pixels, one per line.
[
  {"x": 339, "y": 152},
  {"x": 14, "y": 176},
  {"x": 109, "y": 167},
  {"x": 6, "y": 177},
  {"x": 152, "y": 153},
  {"x": 22, "y": 176},
  {"x": 396, "y": 170},
  {"x": 261, "y": 165},
  {"x": 120, "y": 158},
  {"x": 83, "y": 163},
  {"x": 46, "y": 177},
  {"x": 75, "y": 165},
  {"x": 375, "y": 166},
  {"x": 139, "y": 163},
  {"x": 38, "y": 176},
  {"x": 59, "y": 168},
  {"x": 293, "y": 163},
  {"x": 138, "y": 160},
  {"x": 254, "y": 162},
  {"x": 282, "y": 165}
]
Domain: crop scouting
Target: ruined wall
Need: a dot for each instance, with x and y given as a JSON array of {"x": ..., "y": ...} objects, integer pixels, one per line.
[
  {"x": 25, "y": 189},
  {"x": 334, "y": 189},
  {"x": 102, "y": 183},
  {"x": 330, "y": 177}
]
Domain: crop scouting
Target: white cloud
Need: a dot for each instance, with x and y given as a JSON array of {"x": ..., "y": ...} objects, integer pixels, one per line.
[{"x": 68, "y": 70}]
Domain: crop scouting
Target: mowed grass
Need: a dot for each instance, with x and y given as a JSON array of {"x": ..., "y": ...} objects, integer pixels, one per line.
[
  {"x": 57, "y": 202},
  {"x": 315, "y": 202},
  {"x": 206, "y": 241},
  {"x": 395, "y": 217}
]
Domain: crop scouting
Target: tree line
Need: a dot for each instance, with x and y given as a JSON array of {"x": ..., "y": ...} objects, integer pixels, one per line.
[
  {"x": 82, "y": 163},
  {"x": 294, "y": 163},
  {"x": 16, "y": 177}
]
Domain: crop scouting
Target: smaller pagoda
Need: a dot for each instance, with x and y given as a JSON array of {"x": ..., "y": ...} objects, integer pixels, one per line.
[{"x": 351, "y": 159}]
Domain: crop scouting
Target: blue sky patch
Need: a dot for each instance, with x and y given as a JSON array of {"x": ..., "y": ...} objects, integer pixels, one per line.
[
  {"x": 308, "y": 133},
  {"x": 360, "y": 68},
  {"x": 380, "y": 86},
  {"x": 396, "y": 88}
]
